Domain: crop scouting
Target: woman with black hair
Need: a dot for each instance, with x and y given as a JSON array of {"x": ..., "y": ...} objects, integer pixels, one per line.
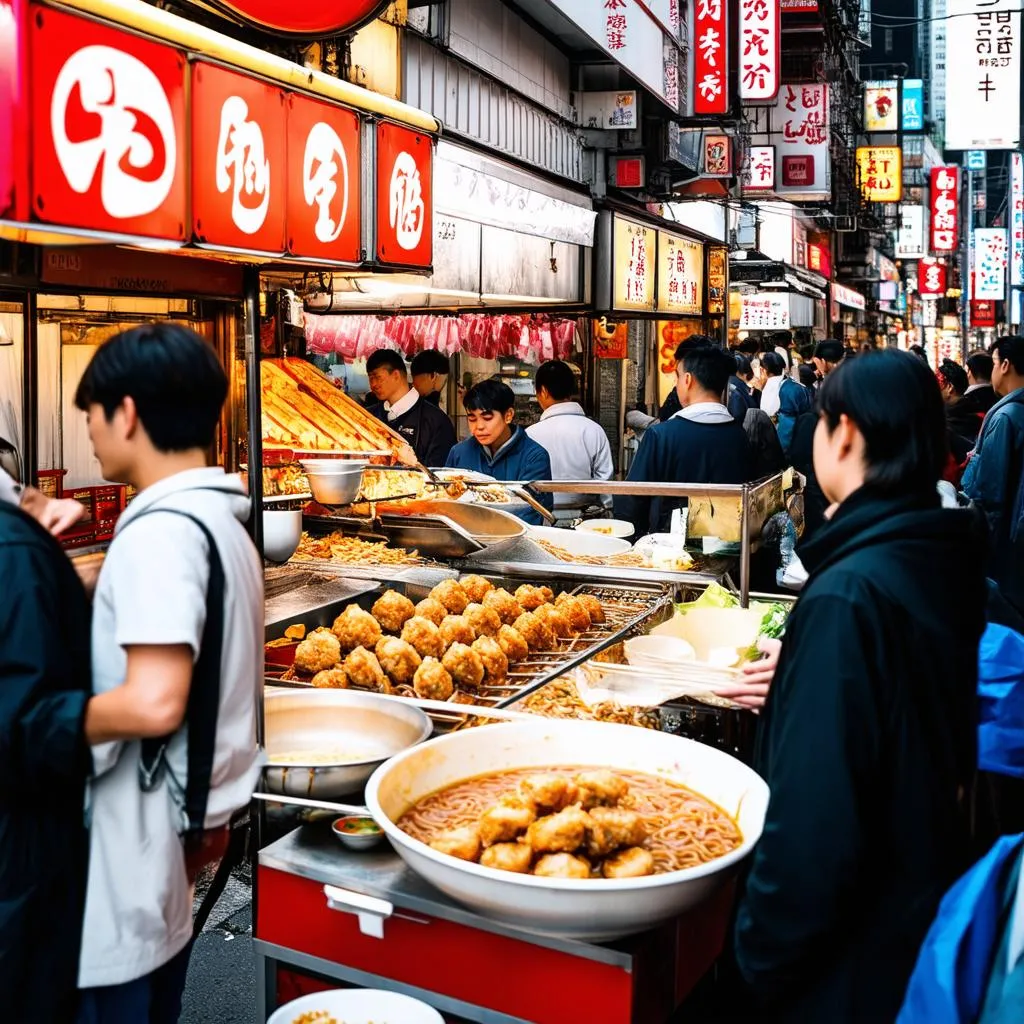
[{"x": 868, "y": 736}]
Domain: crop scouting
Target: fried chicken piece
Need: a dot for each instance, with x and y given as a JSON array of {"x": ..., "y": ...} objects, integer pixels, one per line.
[
  {"x": 557, "y": 621},
  {"x": 632, "y": 863},
  {"x": 392, "y": 610},
  {"x": 319, "y": 652},
  {"x": 593, "y": 607},
  {"x": 600, "y": 788},
  {"x": 331, "y": 679},
  {"x": 513, "y": 645},
  {"x": 424, "y": 636},
  {"x": 502, "y": 602},
  {"x": 451, "y": 595},
  {"x": 548, "y": 792},
  {"x": 364, "y": 671},
  {"x": 464, "y": 666},
  {"x": 507, "y": 857},
  {"x": 432, "y": 609},
  {"x": 575, "y": 611},
  {"x": 539, "y": 635},
  {"x": 493, "y": 658},
  {"x": 432, "y": 681},
  {"x": 484, "y": 620},
  {"x": 476, "y": 587},
  {"x": 563, "y": 832},
  {"x": 531, "y": 597},
  {"x": 398, "y": 659},
  {"x": 456, "y": 630},
  {"x": 463, "y": 843},
  {"x": 561, "y": 865},
  {"x": 505, "y": 821},
  {"x": 356, "y": 627},
  {"x": 611, "y": 827}
]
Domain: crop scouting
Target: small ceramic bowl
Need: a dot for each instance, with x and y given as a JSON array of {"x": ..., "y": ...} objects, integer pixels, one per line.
[{"x": 357, "y": 832}]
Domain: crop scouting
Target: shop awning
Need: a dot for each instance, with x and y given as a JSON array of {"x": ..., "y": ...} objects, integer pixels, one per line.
[{"x": 847, "y": 296}]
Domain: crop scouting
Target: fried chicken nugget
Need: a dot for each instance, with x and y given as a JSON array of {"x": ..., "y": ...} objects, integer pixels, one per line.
[
  {"x": 575, "y": 611},
  {"x": 356, "y": 627},
  {"x": 464, "y": 666},
  {"x": 424, "y": 636},
  {"x": 331, "y": 679},
  {"x": 531, "y": 597},
  {"x": 563, "y": 832},
  {"x": 612, "y": 827},
  {"x": 555, "y": 619},
  {"x": 432, "y": 681},
  {"x": 561, "y": 865},
  {"x": 476, "y": 587},
  {"x": 507, "y": 857},
  {"x": 484, "y": 620},
  {"x": 632, "y": 863},
  {"x": 502, "y": 602},
  {"x": 600, "y": 788},
  {"x": 456, "y": 630},
  {"x": 493, "y": 658},
  {"x": 548, "y": 792},
  {"x": 364, "y": 671},
  {"x": 505, "y": 821},
  {"x": 398, "y": 659},
  {"x": 539, "y": 635},
  {"x": 593, "y": 607},
  {"x": 451, "y": 595},
  {"x": 392, "y": 610},
  {"x": 432, "y": 609},
  {"x": 319, "y": 652},
  {"x": 463, "y": 843},
  {"x": 512, "y": 644}
]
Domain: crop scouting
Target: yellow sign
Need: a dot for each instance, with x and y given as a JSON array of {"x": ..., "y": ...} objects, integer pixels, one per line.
[
  {"x": 634, "y": 271},
  {"x": 680, "y": 275},
  {"x": 670, "y": 334},
  {"x": 881, "y": 173}
]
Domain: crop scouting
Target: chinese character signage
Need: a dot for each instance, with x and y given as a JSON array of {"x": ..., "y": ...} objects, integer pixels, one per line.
[
  {"x": 801, "y": 6},
  {"x": 764, "y": 311},
  {"x": 913, "y": 105},
  {"x": 983, "y": 313},
  {"x": 718, "y": 156},
  {"x": 758, "y": 173},
  {"x": 1017, "y": 220},
  {"x": 931, "y": 278},
  {"x": 759, "y": 50},
  {"x": 976, "y": 160},
  {"x": 710, "y": 64},
  {"x": 819, "y": 255},
  {"x": 633, "y": 256},
  {"x": 910, "y": 237},
  {"x": 983, "y": 59},
  {"x": 945, "y": 208},
  {"x": 847, "y": 296},
  {"x": 680, "y": 275},
  {"x": 880, "y": 106},
  {"x": 881, "y": 173},
  {"x": 989, "y": 263},
  {"x": 405, "y": 207},
  {"x": 801, "y": 132},
  {"x": 718, "y": 259}
]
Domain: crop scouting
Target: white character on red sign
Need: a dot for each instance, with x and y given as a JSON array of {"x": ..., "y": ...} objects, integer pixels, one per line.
[
  {"x": 324, "y": 175},
  {"x": 109, "y": 114},
  {"x": 242, "y": 166},
  {"x": 407, "y": 212}
]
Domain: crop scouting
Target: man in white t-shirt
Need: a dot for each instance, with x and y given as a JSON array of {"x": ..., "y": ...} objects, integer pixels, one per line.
[{"x": 177, "y": 662}]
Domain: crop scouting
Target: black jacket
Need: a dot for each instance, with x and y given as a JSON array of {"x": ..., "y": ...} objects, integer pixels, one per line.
[
  {"x": 801, "y": 455},
  {"x": 867, "y": 742},
  {"x": 44, "y": 761},
  {"x": 427, "y": 429}
]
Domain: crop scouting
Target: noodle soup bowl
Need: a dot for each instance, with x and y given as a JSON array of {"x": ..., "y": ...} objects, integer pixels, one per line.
[{"x": 597, "y": 909}]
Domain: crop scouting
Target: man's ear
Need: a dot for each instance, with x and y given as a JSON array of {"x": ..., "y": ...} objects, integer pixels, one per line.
[
  {"x": 130, "y": 416},
  {"x": 510, "y": 414}
]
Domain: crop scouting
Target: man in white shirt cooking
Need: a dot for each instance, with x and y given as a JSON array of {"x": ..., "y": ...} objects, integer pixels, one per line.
[{"x": 578, "y": 446}]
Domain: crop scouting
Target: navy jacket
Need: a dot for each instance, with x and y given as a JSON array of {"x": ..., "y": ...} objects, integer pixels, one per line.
[
  {"x": 519, "y": 458},
  {"x": 794, "y": 401},
  {"x": 44, "y": 760},
  {"x": 427, "y": 429}
]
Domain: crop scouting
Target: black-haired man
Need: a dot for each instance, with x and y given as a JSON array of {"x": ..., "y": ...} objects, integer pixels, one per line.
[
  {"x": 701, "y": 444},
  {"x": 177, "y": 637},
  {"x": 429, "y": 371},
  {"x": 980, "y": 396},
  {"x": 427, "y": 429},
  {"x": 827, "y": 356},
  {"x": 963, "y": 428},
  {"x": 671, "y": 404}
]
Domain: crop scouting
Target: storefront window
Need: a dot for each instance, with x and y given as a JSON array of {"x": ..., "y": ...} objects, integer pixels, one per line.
[{"x": 12, "y": 412}]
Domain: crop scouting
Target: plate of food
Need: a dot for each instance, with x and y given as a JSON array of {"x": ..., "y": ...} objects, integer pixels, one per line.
[{"x": 356, "y": 1006}]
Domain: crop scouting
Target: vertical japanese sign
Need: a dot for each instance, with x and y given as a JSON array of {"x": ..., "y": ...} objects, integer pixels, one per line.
[
  {"x": 937, "y": 78},
  {"x": 1017, "y": 221},
  {"x": 758, "y": 171},
  {"x": 680, "y": 275},
  {"x": 983, "y": 58},
  {"x": 881, "y": 173},
  {"x": 12, "y": 112},
  {"x": 633, "y": 253},
  {"x": 913, "y": 105},
  {"x": 931, "y": 278},
  {"x": 945, "y": 208},
  {"x": 759, "y": 50},
  {"x": 800, "y": 125},
  {"x": 989, "y": 263},
  {"x": 910, "y": 238},
  {"x": 710, "y": 61},
  {"x": 405, "y": 196}
]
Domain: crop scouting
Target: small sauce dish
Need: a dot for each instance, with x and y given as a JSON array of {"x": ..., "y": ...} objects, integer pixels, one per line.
[{"x": 357, "y": 832}]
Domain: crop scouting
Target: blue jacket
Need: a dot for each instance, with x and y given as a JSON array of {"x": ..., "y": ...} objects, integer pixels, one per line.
[
  {"x": 794, "y": 401},
  {"x": 519, "y": 458}
]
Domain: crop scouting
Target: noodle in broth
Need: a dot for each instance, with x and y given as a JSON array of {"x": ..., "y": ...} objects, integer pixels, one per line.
[{"x": 685, "y": 829}]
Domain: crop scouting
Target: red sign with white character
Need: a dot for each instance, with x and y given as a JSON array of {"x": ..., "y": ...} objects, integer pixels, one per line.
[
  {"x": 945, "y": 207},
  {"x": 323, "y": 181},
  {"x": 405, "y": 208},
  {"x": 759, "y": 50},
  {"x": 13, "y": 186},
  {"x": 710, "y": 58},
  {"x": 931, "y": 278},
  {"x": 983, "y": 313},
  {"x": 239, "y": 166},
  {"x": 108, "y": 129}
]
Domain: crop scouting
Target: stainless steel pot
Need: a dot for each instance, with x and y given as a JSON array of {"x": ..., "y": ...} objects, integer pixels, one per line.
[{"x": 373, "y": 727}]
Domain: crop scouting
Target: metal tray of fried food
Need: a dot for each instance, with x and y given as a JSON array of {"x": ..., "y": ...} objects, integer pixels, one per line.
[{"x": 433, "y": 536}]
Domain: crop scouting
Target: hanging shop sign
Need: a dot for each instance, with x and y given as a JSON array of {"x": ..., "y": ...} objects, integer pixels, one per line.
[
  {"x": 990, "y": 259},
  {"x": 764, "y": 311},
  {"x": 1017, "y": 221},
  {"x": 404, "y": 196},
  {"x": 759, "y": 50},
  {"x": 710, "y": 58},
  {"x": 799, "y": 6},
  {"x": 931, "y": 278},
  {"x": 718, "y": 262},
  {"x": 983, "y": 313},
  {"x": 945, "y": 208},
  {"x": 758, "y": 171},
  {"x": 910, "y": 237},
  {"x": 718, "y": 156},
  {"x": 881, "y": 100},
  {"x": 608, "y": 111},
  {"x": 307, "y": 21},
  {"x": 108, "y": 129},
  {"x": 847, "y": 296},
  {"x": 819, "y": 255},
  {"x": 801, "y": 120},
  {"x": 977, "y": 160},
  {"x": 633, "y": 259},
  {"x": 611, "y": 338},
  {"x": 11, "y": 189},
  {"x": 680, "y": 287},
  {"x": 881, "y": 173},
  {"x": 983, "y": 58}
]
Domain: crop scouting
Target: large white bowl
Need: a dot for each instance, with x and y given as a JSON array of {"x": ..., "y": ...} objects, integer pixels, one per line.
[
  {"x": 595, "y": 910},
  {"x": 607, "y": 527},
  {"x": 580, "y": 543},
  {"x": 282, "y": 531},
  {"x": 360, "y": 1006}
]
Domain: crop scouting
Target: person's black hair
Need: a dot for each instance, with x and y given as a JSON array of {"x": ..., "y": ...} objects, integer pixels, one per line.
[
  {"x": 173, "y": 376},
  {"x": 774, "y": 364},
  {"x": 711, "y": 367},
  {"x": 807, "y": 375},
  {"x": 831, "y": 351},
  {"x": 955, "y": 375},
  {"x": 781, "y": 339},
  {"x": 489, "y": 396},
  {"x": 749, "y": 346},
  {"x": 980, "y": 365},
  {"x": 744, "y": 367},
  {"x": 557, "y": 377},
  {"x": 386, "y": 359},
  {"x": 1010, "y": 347},
  {"x": 895, "y": 402},
  {"x": 694, "y": 341},
  {"x": 918, "y": 351},
  {"x": 429, "y": 361}
]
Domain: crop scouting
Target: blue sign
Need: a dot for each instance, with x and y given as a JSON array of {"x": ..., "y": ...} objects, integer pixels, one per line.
[
  {"x": 913, "y": 105},
  {"x": 976, "y": 160}
]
